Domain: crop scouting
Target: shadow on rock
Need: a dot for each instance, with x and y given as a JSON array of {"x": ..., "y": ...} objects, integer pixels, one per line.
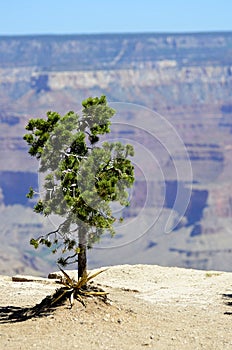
[
  {"x": 12, "y": 314},
  {"x": 228, "y": 302}
]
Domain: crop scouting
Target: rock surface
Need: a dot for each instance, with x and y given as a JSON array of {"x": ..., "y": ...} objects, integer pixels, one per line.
[{"x": 151, "y": 307}]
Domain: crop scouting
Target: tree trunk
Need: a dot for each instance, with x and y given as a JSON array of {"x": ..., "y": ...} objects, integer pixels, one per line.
[{"x": 82, "y": 258}]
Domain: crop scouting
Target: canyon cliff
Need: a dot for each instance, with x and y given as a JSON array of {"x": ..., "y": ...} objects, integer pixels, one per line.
[{"x": 186, "y": 79}]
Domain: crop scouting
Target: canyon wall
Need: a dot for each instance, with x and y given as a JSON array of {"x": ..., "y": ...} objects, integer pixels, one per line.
[{"x": 186, "y": 79}]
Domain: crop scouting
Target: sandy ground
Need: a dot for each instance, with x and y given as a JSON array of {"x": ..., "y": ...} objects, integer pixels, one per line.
[{"x": 151, "y": 307}]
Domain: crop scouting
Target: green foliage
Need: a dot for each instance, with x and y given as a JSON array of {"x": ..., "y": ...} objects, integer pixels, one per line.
[
  {"x": 82, "y": 177},
  {"x": 35, "y": 243},
  {"x": 30, "y": 193}
]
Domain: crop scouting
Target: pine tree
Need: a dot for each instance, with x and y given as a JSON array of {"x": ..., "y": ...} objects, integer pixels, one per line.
[{"x": 82, "y": 177}]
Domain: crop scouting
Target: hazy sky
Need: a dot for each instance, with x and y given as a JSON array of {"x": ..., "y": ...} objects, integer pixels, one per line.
[{"x": 113, "y": 16}]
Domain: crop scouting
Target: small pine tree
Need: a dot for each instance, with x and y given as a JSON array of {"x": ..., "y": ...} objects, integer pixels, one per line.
[{"x": 82, "y": 177}]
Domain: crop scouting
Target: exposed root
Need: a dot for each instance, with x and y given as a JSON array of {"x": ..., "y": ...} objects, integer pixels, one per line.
[{"x": 78, "y": 289}]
